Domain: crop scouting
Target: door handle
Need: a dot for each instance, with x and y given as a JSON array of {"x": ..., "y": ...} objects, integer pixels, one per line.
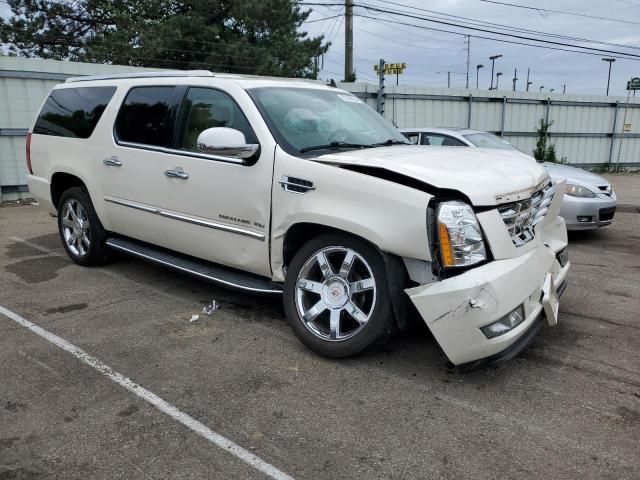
[
  {"x": 176, "y": 174},
  {"x": 112, "y": 162}
]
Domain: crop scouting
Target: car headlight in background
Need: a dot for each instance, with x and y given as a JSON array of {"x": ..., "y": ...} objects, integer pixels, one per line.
[
  {"x": 578, "y": 191},
  {"x": 459, "y": 234}
]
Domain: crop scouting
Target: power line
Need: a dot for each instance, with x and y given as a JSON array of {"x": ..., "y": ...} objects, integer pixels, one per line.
[
  {"x": 508, "y": 27},
  {"x": 495, "y": 39},
  {"x": 547, "y": 10},
  {"x": 484, "y": 30},
  {"x": 322, "y": 19}
]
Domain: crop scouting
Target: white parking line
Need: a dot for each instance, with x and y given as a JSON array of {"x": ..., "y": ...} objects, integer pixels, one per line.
[{"x": 150, "y": 397}]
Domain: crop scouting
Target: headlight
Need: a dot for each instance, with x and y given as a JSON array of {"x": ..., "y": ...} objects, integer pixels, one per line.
[
  {"x": 460, "y": 236},
  {"x": 578, "y": 191}
]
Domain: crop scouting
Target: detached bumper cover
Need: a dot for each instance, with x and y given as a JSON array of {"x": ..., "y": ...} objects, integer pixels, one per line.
[{"x": 455, "y": 309}]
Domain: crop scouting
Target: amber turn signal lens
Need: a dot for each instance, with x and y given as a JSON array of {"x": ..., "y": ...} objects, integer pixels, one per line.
[{"x": 445, "y": 245}]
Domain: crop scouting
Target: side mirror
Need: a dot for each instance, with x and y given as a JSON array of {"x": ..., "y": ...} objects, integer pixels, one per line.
[{"x": 226, "y": 142}]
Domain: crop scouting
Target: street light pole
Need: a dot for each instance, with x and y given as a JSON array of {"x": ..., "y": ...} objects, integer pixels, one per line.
[
  {"x": 610, "y": 61},
  {"x": 498, "y": 79},
  {"x": 528, "y": 82},
  {"x": 478, "y": 67},
  {"x": 493, "y": 61}
]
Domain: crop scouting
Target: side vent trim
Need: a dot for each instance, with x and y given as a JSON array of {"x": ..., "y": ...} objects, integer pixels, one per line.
[{"x": 296, "y": 185}]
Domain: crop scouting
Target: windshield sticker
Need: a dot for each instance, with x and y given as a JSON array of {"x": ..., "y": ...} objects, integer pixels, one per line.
[{"x": 350, "y": 98}]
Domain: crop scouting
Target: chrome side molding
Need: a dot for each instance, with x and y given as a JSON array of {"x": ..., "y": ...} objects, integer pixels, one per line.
[{"x": 186, "y": 218}]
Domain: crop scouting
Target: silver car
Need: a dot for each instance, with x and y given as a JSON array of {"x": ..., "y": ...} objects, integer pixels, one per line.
[{"x": 589, "y": 200}]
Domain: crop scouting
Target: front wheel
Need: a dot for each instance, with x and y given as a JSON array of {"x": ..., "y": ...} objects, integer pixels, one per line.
[{"x": 336, "y": 297}]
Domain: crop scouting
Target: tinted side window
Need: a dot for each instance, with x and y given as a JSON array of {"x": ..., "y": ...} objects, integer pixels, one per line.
[
  {"x": 207, "y": 108},
  {"x": 73, "y": 112},
  {"x": 145, "y": 116},
  {"x": 442, "y": 140}
]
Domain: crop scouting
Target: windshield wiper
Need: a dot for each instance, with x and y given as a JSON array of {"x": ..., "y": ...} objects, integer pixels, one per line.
[
  {"x": 388, "y": 143},
  {"x": 335, "y": 146}
]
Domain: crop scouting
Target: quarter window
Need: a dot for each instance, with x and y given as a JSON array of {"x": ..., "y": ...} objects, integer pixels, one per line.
[
  {"x": 441, "y": 140},
  {"x": 207, "y": 108},
  {"x": 73, "y": 112},
  {"x": 413, "y": 137},
  {"x": 145, "y": 116}
]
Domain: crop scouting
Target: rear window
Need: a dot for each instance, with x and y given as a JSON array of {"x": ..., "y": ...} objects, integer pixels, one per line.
[
  {"x": 145, "y": 116},
  {"x": 73, "y": 112}
]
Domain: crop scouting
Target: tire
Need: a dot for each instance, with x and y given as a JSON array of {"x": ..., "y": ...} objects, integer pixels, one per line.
[
  {"x": 319, "y": 300},
  {"x": 81, "y": 232}
]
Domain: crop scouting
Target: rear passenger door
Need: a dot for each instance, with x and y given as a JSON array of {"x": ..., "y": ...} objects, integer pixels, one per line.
[{"x": 214, "y": 208}]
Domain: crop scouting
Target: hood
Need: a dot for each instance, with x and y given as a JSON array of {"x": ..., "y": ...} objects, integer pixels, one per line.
[
  {"x": 575, "y": 176},
  {"x": 487, "y": 177}
]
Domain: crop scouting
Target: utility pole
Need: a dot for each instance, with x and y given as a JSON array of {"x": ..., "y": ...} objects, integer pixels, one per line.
[
  {"x": 610, "y": 61},
  {"x": 468, "y": 57},
  {"x": 515, "y": 79},
  {"x": 348, "y": 41},
  {"x": 528, "y": 82},
  {"x": 380, "y": 97}
]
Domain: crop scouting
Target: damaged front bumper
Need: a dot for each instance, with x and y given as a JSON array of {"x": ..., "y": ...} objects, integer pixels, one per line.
[{"x": 456, "y": 309}]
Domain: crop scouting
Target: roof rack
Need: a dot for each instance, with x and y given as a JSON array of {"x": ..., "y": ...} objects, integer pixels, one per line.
[{"x": 165, "y": 73}]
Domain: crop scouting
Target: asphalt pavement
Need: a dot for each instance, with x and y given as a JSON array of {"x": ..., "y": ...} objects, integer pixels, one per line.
[{"x": 566, "y": 407}]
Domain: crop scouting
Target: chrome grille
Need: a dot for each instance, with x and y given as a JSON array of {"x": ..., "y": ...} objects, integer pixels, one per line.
[{"x": 522, "y": 216}]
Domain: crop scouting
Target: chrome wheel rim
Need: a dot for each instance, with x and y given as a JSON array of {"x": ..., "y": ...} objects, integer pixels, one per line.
[
  {"x": 76, "y": 228},
  {"x": 335, "y": 293}
]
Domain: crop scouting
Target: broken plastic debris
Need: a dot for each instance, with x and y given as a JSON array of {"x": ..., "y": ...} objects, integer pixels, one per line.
[
  {"x": 210, "y": 307},
  {"x": 194, "y": 318}
]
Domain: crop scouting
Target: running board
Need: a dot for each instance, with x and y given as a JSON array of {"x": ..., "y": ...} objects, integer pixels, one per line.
[{"x": 225, "y": 276}]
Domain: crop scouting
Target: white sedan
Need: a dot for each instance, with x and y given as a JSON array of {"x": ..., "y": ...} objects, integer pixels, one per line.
[{"x": 589, "y": 200}]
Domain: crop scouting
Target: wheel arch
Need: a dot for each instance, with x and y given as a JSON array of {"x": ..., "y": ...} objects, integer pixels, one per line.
[
  {"x": 61, "y": 182},
  {"x": 397, "y": 275}
]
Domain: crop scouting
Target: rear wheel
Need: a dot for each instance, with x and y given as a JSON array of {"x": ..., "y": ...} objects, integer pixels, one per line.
[
  {"x": 80, "y": 230},
  {"x": 336, "y": 296}
]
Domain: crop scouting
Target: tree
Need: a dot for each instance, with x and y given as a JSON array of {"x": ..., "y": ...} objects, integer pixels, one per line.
[
  {"x": 239, "y": 36},
  {"x": 544, "y": 151}
]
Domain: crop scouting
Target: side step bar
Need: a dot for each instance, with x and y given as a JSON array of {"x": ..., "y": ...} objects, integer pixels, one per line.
[{"x": 225, "y": 276}]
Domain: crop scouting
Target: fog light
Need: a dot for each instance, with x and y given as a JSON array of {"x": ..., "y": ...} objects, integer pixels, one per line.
[
  {"x": 584, "y": 219},
  {"x": 505, "y": 324}
]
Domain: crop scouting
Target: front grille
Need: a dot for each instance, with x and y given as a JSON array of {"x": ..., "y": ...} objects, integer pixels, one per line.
[
  {"x": 522, "y": 216},
  {"x": 606, "y": 213}
]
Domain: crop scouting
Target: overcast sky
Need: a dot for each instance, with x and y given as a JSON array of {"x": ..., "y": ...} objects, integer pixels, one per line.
[{"x": 428, "y": 52}]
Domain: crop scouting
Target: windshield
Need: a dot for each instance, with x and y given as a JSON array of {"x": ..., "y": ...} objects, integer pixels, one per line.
[
  {"x": 489, "y": 140},
  {"x": 304, "y": 119}
]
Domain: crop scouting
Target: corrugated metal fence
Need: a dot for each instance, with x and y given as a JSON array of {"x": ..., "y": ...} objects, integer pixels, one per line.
[{"x": 588, "y": 130}]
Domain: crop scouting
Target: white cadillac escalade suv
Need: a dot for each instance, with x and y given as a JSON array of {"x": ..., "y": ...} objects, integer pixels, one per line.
[{"x": 296, "y": 188}]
